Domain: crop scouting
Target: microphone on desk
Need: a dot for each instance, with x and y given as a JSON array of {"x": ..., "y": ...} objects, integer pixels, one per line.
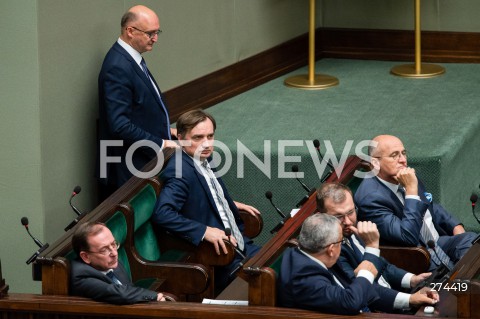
[
  {"x": 310, "y": 191},
  {"x": 473, "y": 199},
  {"x": 75, "y": 192},
  {"x": 269, "y": 196},
  {"x": 24, "y": 221},
  {"x": 80, "y": 215},
  {"x": 316, "y": 143},
  {"x": 295, "y": 170}
]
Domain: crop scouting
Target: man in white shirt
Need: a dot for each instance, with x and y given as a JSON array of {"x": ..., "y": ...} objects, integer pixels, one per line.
[
  {"x": 131, "y": 105},
  {"x": 405, "y": 214}
]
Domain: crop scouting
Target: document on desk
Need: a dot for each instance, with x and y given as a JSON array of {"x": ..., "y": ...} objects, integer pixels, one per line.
[
  {"x": 294, "y": 212},
  {"x": 225, "y": 302}
]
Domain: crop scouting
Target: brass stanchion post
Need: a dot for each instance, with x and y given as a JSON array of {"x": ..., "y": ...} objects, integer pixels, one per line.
[
  {"x": 311, "y": 81},
  {"x": 418, "y": 70}
]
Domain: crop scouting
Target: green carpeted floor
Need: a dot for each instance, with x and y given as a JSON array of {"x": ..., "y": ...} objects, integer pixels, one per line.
[{"x": 438, "y": 120}]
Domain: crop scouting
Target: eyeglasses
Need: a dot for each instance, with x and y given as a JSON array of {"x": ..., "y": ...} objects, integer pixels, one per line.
[
  {"x": 105, "y": 251},
  {"x": 337, "y": 242},
  {"x": 395, "y": 155},
  {"x": 341, "y": 217},
  {"x": 150, "y": 34}
]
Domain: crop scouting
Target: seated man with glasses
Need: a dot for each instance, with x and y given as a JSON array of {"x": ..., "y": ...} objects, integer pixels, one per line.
[
  {"x": 98, "y": 274},
  {"x": 310, "y": 277},
  {"x": 405, "y": 214},
  {"x": 336, "y": 199}
]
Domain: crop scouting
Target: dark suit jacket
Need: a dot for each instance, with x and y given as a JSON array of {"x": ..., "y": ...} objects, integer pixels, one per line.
[
  {"x": 86, "y": 281},
  {"x": 399, "y": 224},
  {"x": 348, "y": 261},
  {"x": 130, "y": 110},
  {"x": 303, "y": 283},
  {"x": 185, "y": 205}
]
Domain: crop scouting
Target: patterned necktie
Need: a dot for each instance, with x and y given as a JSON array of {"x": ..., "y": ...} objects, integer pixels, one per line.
[
  {"x": 114, "y": 278},
  {"x": 437, "y": 254},
  {"x": 218, "y": 192},
  {"x": 147, "y": 74},
  {"x": 356, "y": 251}
]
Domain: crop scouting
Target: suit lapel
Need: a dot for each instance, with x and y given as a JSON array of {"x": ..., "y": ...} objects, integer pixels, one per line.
[
  {"x": 189, "y": 161},
  {"x": 140, "y": 74},
  {"x": 393, "y": 197}
]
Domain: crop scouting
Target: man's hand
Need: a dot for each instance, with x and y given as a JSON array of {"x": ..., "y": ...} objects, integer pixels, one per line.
[
  {"x": 408, "y": 179},
  {"x": 366, "y": 265},
  {"x": 424, "y": 296},
  {"x": 216, "y": 236},
  {"x": 249, "y": 209},
  {"x": 368, "y": 232},
  {"x": 170, "y": 144},
  {"x": 416, "y": 279},
  {"x": 160, "y": 297},
  {"x": 459, "y": 229}
]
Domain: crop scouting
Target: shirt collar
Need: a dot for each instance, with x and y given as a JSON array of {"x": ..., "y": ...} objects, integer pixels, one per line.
[
  {"x": 393, "y": 187},
  {"x": 134, "y": 53}
]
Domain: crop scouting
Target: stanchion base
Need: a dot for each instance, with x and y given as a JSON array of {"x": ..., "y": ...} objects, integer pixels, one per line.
[
  {"x": 320, "y": 81},
  {"x": 426, "y": 70}
]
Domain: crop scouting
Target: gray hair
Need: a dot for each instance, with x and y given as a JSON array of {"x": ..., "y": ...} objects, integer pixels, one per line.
[{"x": 318, "y": 231}]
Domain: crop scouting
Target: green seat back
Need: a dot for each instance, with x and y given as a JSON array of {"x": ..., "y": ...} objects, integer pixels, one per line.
[
  {"x": 118, "y": 226},
  {"x": 145, "y": 239}
]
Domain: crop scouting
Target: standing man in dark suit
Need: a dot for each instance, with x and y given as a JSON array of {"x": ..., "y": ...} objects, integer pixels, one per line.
[
  {"x": 404, "y": 212},
  {"x": 132, "y": 107},
  {"x": 336, "y": 199},
  {"x": 194, "y": 203},
  {"x": 98, "y": 274},
  {"x": 310, "y": 277}
]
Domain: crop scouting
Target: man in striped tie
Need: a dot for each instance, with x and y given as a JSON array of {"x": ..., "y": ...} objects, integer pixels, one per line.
[
  {"x": 194, "y": 203},
  {"x": 397, "y": 201}
]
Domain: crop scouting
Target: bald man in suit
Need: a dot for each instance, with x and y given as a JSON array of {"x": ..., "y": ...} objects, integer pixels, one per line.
[{"x": 132, "y": 108}]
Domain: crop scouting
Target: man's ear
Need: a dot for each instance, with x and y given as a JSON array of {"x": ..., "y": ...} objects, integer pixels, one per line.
[
  {"x": 375, "y": 165},
  {"x": 330, "y": 250},
  {"x": 85, "y": 257}
]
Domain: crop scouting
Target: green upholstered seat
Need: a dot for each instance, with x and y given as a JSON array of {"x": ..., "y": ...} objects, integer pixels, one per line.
[
  {"x": 118, "y": 227},
  {"x": 145, "y": 239}
]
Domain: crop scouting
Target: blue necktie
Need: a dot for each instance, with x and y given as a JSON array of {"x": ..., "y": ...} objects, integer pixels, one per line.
[
  {"x": 114, "y": 278},
  {"x": 147, "y": 74},
  {"x": 358, "y": 254},
  {"x": 437, "y": 254}
]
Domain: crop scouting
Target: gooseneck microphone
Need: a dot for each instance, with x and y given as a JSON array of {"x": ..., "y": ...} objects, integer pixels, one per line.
[
  {"x": 24, "y": 221},
  {"x": 75, "y": 192},
  {"x": 316, "y": 143},
  {"x": 295, "y": 170},
  {"x": 80, "y": 215},
  {"x": 473, "y": 199},
  {"x": 305, "y": 187},
  {"x": 269, "y": 196}
]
